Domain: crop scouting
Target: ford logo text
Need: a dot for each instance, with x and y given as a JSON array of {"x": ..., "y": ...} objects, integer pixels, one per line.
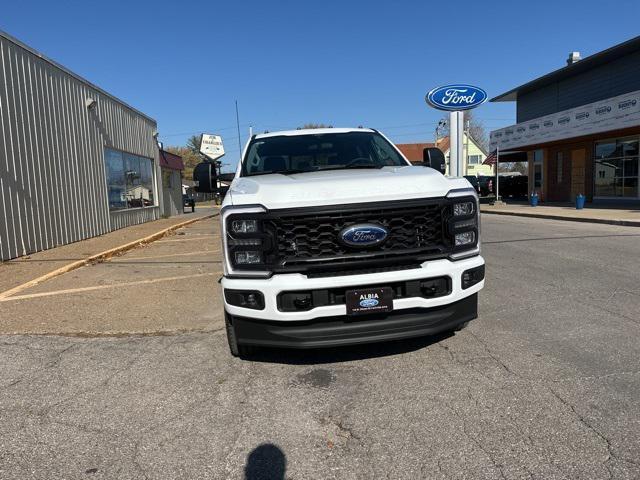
[
  {"x": 369, "y": 302},
  {"x": 364, "y": 235},
  {"x": 456, "y": 97}
]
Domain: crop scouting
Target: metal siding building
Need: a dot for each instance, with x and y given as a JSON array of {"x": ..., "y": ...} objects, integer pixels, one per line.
[{"x": 53, "y": 187}]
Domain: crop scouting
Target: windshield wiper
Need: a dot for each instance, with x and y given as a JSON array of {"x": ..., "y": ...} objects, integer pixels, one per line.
[
  {"x": 350, "y": 167},
  {"x": 282, "y": 172}
]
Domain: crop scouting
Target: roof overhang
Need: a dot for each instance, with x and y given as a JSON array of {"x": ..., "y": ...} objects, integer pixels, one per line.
[{"x": 576, "y": 68}]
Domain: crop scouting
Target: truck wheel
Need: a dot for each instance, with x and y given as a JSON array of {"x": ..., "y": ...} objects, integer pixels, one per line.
[{"x": 235, "y": 349}]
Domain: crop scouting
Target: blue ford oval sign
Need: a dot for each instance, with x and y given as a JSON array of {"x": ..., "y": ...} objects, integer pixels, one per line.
[
  {"x": 369, "y": 302},
  {"x": 363, "y": 235},
  {"x": 456, "y": 97}
]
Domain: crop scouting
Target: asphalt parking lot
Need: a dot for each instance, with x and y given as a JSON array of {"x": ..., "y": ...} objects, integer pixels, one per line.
[{"x": 545, "y": 384}]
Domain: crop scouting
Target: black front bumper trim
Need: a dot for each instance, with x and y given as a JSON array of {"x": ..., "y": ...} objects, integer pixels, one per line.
[{"x": 344, "y": 330}]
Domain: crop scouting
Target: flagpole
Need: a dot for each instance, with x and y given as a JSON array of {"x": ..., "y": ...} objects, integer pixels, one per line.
[{"x": 497, "y": 179}]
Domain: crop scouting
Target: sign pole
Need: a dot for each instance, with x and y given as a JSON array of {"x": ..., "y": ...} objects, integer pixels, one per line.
[
  {"x": 456, "y": 137},
  {"x": 497, "y": 173}
]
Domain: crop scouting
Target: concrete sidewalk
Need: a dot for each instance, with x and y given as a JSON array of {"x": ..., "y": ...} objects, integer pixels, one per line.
[
  {"x": 23, "y": 269},
  {"x": 628, "y": 216}
]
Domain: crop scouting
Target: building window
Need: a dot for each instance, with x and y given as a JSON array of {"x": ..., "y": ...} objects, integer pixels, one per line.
[
  {"x": 475, "y": 159},
  {"x": 616, "y": 168},
  {"x": 129, "y": 180},
  {"x": 537, "y": 170}
]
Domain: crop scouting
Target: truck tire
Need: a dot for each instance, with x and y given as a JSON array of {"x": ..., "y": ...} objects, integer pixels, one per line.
[{"x": 235, "y": 349}]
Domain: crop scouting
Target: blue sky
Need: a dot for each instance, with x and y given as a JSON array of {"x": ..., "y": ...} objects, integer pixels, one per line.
[{"x": 344, "y": 63}]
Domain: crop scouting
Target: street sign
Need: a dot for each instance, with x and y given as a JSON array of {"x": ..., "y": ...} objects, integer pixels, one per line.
[
  {"x": 211, "y": 146},
  {"x": 456, "y": 97}
]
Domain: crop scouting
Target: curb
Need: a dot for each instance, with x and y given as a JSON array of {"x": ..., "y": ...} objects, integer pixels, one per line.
[
  {"x": 623, "y": 223},
  {"x": 101, "y": 256}
]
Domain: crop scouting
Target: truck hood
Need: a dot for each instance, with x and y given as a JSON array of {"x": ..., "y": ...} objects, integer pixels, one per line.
[{"x": 334, "y": 187}]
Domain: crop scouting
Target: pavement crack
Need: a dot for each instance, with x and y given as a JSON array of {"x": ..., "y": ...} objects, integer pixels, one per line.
[
  {"x": 493, "y": 356},
  {"x": 477, "y": 443},
  {"x": 607, "y": 443}
]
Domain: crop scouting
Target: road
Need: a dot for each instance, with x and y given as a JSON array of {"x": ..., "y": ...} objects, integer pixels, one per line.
[{"x": 545, "y": 384}]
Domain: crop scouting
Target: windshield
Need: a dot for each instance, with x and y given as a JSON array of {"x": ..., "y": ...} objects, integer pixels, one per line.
[{"x": 326, "y": 151}]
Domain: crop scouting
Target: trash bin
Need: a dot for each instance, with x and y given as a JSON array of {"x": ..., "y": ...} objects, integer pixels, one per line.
[
  {"x": 580, "y": 201},
  {"x": 533, "y": 199}
]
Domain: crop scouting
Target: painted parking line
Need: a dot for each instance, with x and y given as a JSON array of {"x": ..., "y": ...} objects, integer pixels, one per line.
[
  {"x": 103, "y": 287},
  {"x": 183, "y": 240},
  {"x": 183, "y": 254}
]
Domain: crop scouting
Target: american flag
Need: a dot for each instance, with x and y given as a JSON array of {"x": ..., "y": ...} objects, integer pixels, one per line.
[{"x": 491, "y": 159}]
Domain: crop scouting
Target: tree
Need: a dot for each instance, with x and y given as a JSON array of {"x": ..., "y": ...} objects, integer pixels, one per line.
[
  {"x": 477, "y": 130},
  {"x": 190, "y": 156},
  {"x": 193, "y": 143}
]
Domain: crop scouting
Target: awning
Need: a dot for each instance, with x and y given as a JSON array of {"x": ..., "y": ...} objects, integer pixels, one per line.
[{"x": 171, "y": 160}]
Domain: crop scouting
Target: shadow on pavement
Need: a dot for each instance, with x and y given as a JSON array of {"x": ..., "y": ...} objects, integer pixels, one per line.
[
  {"x": 265, "y": 462},
  {"x": 343, "y": 354}
]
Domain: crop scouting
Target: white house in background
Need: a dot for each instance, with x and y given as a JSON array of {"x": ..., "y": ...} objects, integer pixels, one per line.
[{"x": 473, "y": 153}]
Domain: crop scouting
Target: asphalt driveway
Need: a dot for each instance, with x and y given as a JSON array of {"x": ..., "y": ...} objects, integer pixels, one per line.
[{"x": 545, "y": 384}]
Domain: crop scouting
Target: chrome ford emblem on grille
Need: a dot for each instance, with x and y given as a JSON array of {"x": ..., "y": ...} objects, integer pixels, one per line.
[{"x": 363, "y": 235}]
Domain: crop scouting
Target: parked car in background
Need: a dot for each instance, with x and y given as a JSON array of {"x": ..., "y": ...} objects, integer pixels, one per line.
[
  {"x": 520, "y": 187},
  {"x": 473, "y": 180},
  {"x": 486, "y": 185},
  {"x": 513, "y": 186},
  {"x": 189, "y": 201}
]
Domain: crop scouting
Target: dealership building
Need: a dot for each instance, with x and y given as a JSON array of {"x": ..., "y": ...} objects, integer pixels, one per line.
[
  {"x": 75, "y": 162},
  {"x": 579, "y": 128}
]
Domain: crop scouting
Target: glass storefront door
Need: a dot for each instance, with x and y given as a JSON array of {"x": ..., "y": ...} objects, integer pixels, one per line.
[{"x": 616, "y": 168}]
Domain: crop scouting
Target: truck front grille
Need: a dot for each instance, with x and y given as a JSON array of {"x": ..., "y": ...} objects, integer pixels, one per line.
[{"x": 307, "y": 239}]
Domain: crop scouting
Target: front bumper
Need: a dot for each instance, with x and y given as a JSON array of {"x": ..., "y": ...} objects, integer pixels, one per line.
[
  {"x": 271, "y": 287},
  {"x": 344, "y": 330}
]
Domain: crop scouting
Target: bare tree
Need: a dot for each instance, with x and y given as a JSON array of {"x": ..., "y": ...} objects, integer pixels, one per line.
[{"x": 477, "y": 130}]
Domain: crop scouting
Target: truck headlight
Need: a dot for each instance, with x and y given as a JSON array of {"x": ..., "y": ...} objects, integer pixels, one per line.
[
  {"x": 244, "y": 226},
  {"x": 247, "y": 242},
  {"x": 247, "y": 257},
  {"x": 463, "y": 208},
  {"x": 465, "y": 238},
  {"x": 463, "y": 225}
]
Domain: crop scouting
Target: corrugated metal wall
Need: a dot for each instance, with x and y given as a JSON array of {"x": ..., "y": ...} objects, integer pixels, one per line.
[
  {"x": 614, "y": 78},
  {"x": 173, "y": 195},
  {"x": 52, "y": 172}
]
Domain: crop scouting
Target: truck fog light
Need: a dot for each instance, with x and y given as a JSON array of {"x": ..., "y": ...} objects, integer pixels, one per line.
[
  {"x": 248, "y": 257},
  {"x": 472, "y": 276},
  {"x": 244, "y": 226},
  {"x": 460, "y": 209},
  {"x": 245, "y": 298},
  {"x": 465, "y": 238}
]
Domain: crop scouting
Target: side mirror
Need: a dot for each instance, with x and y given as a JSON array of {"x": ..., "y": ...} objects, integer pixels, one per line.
[
  {"x": 204, "y": 174},
  {"x": 434, "y": 158}
]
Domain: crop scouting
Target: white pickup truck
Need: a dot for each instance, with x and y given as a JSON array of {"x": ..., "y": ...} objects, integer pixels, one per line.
[{"x": 331, "y": 237}]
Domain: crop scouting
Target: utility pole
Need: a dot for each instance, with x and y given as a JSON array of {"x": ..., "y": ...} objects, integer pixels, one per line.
[{"x": 238, "y": 125}]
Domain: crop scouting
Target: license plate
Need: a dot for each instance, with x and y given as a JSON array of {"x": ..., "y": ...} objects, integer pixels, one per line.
[{"x": 369, "y": 300}]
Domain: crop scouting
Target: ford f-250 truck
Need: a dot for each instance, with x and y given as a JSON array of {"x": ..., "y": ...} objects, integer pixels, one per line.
[{"x": 332, "y": 237}]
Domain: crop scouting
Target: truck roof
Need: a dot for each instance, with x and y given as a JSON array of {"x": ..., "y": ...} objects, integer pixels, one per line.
[{"x": 312, "y": 131}]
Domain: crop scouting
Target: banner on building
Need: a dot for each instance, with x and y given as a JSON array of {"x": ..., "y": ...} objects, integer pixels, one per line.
[
  {"x": 211, "y": 146},
  {"x": 611, "y": 114}
]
